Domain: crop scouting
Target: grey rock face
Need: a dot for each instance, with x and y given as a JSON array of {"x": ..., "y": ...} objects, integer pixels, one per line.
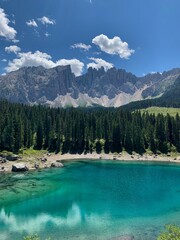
[
  {"x": 37, "y": 85},
  {"x": 159, "y": 87},
  {"x": 97, "y": 83},
  {"x": 30, "y": 84}
]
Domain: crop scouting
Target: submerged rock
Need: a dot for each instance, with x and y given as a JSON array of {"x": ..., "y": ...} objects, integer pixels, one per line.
[
  {"x": 19, "y": 167},
  {"x": 124, "y": 237},
  {"x": 57, "y": 165}
]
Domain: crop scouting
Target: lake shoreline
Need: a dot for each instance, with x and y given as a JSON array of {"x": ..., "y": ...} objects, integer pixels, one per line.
[{"x": 48, "y": 160}]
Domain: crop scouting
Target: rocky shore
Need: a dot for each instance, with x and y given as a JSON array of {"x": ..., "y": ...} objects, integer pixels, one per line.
[{"x": 15, "y": 163}]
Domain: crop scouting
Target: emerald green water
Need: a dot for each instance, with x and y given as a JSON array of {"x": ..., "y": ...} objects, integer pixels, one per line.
[{"x": 91, "y": 200}]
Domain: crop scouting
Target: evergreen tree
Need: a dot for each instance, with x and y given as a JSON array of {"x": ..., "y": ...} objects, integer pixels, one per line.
[
  {"x": 86, "y": 130},
  {"x": 39, "y": 137}
]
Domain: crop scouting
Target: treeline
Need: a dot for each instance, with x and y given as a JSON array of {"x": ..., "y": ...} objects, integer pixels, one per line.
[
  {"x": 86, "y": 130},
  {"x": 156, "y": 102}
]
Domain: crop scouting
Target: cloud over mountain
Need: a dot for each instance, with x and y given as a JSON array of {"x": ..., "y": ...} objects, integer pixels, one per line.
[
  {"x": 76, "y": 65},
  {"x": 25, "y": 59},
  {"x": 99, "y": 63}
]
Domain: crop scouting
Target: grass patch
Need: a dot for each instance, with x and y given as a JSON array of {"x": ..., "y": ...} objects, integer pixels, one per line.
[
  {"x": 31, "y": 151},
  {"x": 161, "y": 110},
  {"x": 31, "y": 155}
]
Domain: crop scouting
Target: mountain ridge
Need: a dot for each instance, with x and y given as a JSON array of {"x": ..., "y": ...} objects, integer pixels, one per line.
[{"x": 58, "y": 86}]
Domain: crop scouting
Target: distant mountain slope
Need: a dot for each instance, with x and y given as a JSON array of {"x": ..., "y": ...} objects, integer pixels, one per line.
[
  {"x": 171, "y": 98},
  {"x": 172, "y": 95},
  {"x": 58, "y": 87}
]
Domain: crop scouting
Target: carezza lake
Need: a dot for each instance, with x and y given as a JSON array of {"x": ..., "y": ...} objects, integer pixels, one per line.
[{"x": 91, "y": 200}]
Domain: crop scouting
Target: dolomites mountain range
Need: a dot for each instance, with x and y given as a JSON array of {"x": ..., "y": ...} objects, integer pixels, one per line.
[{"x": 58, "y": 87}]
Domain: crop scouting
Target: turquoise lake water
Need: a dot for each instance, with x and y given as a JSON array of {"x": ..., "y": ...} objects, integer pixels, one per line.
[{"x": 91, "y": 200}]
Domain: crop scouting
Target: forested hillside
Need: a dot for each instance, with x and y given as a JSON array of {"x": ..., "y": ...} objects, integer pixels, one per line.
[{"x": 86, "y": 130}]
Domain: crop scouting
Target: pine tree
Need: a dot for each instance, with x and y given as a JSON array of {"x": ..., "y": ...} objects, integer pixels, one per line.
[{"x": 39, "y": 137}]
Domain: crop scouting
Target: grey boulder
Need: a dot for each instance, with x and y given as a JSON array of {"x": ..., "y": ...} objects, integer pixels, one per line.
[
  {"x": 56, "y": 165},
  {"x": 19, "y": 167},
  {"x": 12, "y": 157}
]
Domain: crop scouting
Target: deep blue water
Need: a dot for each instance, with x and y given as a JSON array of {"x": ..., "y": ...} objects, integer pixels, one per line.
[{"x": 91, "y": 200}]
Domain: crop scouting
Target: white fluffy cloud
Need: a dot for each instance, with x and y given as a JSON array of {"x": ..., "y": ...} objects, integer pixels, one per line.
[
  {"x": 98, "y": 63},
  {"x": 114, "y": 46},
  {"x": 30, "y": 59},
  {"x": 32, "y": 23},
  {"x": 15, "y": 49},
  {"x": 45, "y": 20},
  {"x": 5, "y": 30},
  {"x": 81, "y": 46},
  {"x": 42, "y": 59},
  {"x": 76, "y": 65}
]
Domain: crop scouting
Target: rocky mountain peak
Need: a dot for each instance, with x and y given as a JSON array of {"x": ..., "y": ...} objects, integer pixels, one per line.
[{"x": 58, "y": 86}]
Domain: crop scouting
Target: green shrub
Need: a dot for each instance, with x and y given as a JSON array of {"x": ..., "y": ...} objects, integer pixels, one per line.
[{"x": 172, "y": 233}]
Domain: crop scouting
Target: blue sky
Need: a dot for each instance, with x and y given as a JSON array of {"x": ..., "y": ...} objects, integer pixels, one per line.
[{"x": 139, "y": 36}]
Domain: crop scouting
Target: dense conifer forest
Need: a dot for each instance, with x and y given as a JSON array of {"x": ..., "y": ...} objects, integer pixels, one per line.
[{"x": 86, "y": 130}]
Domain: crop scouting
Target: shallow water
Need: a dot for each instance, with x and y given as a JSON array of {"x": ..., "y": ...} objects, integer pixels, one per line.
[{"x": 91, "y": 200}]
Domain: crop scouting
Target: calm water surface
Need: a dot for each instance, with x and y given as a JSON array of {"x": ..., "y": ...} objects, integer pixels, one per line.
[{"x": 90, "y": 200}]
